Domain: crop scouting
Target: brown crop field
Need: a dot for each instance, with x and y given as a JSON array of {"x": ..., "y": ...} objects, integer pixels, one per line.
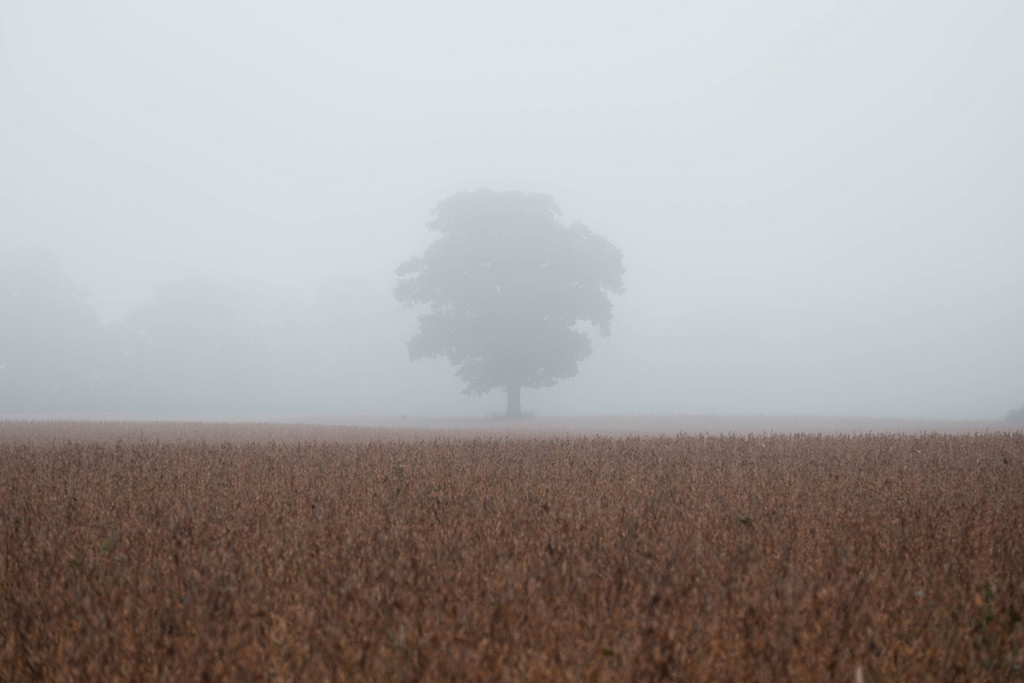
[{"x": 287, "y": 552}]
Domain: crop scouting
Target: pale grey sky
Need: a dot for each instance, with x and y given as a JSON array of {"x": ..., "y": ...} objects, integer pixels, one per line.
[{"x": 820, "y": 203}]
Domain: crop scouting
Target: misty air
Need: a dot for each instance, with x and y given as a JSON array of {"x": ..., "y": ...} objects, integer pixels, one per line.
[
  {"x": 817, "y": 205},
  {"x": 540, "y": 341}
]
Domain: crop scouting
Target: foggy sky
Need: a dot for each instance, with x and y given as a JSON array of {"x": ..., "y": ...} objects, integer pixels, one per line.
[{"x": 820, "y": 204}]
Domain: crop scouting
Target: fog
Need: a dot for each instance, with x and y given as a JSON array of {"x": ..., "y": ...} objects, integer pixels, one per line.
[{"x": 819, "y": 203}]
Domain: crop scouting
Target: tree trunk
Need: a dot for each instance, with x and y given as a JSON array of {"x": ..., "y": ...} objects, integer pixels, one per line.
[{"x": 515, "y": 407}]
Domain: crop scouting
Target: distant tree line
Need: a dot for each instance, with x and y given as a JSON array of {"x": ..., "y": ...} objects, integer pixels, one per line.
[{"x": 196, "y": 345}]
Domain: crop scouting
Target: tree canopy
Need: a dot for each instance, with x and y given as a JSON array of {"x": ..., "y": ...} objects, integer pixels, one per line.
[{"x": 507, "y": 284}]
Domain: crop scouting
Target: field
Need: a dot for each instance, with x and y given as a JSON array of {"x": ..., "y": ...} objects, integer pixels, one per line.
[{"x": 286, "y": 552}]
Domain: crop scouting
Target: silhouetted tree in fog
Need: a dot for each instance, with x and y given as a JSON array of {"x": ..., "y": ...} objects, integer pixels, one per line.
[
  {"x": 48, "y": 337},
  {"x": 201, "y": 352},
  {"x": 507, "y": 283}
]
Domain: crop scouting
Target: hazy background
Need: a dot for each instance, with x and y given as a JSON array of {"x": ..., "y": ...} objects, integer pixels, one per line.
[{"x": 820, "y": 204}]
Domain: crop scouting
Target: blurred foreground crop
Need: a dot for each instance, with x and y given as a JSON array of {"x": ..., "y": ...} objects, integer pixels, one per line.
[{"x": 786, "y": 557}]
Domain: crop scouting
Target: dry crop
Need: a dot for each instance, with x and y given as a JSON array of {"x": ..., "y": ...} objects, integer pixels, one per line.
[{"x": 165, "y": 554}]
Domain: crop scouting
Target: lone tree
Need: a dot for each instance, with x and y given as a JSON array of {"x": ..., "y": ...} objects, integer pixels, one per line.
[{"x": 507, "y": 284}]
